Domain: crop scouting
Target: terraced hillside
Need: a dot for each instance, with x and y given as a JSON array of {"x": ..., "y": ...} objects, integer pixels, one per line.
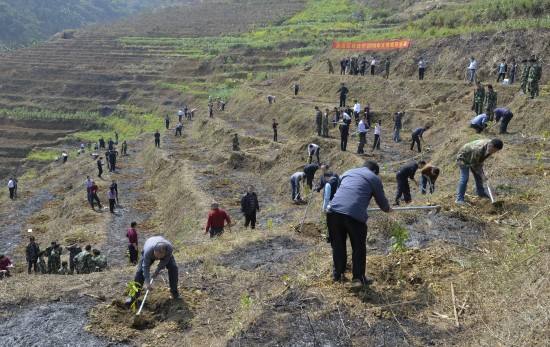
[{"x": 471, "y": 275}]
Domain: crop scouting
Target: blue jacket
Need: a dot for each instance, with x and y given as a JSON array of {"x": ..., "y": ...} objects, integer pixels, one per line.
[{"x": 357, "y": 187}]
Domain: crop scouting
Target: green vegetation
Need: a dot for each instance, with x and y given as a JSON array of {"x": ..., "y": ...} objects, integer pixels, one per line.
[
  {"x": 205, "y": 89},
  {"x": 24, "y": 114},
  {"x": 128, "y": 127},
  {"x": 400, "y": 235},
  {"x": 45, "y": 155},
  {"x": 132, "y": 288}
]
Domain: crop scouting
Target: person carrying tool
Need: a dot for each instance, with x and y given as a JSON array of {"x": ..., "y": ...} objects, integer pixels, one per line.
[
  {"x": 503, "y": 115},
  {"x": 347, "y": 215},
  {"x": 403, "y": 175},
  {"x": 249, "y": 207},
  {"x": 479, "y": 122},
  {"x": 156, "y": 248},
  {"x": 429, "y": 176},
  {"x": 417, "y": 136},
  {"x": 313, "y": 150},
  {"x": 295, "y": 181},
  {"x": 471, "y": 158},
  {"x": 216, "y": 221}
]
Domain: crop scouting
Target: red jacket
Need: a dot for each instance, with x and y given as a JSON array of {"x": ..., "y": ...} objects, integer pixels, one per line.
[
  {"x": 132, "y": 236},
  {"x": 94, "y": 188},
  {"x": 216, "y": 219},
  {"x": 4, "y": 263}
]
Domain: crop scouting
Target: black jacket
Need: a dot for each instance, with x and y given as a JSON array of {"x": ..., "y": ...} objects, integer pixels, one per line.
[
  {"x": 310, "y": 170},
  {"x": 32, "y": 251},
  {"x": 249, "y": 203}
]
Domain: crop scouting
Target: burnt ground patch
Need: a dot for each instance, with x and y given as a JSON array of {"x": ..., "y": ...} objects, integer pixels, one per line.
[
  {"x": 49, "y": 324},
  {"x": 267, "y": 254}
]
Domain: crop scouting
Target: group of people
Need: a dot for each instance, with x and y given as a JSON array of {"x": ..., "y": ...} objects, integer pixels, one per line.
[
  {"x": 92, "y": 190},
  {"x": 360, "y": 65},
  {"x": 48, "y": 261}
]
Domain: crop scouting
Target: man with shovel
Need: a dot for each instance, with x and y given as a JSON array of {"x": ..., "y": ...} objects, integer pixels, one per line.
[
  {"x": 470, "y": 158},
  {"x": 156, "y": 248}
]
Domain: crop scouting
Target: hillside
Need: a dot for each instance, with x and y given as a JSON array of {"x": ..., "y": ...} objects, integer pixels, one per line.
[
  {"x": 471, "y": 275},
  {"x": 28, "y": 22}
]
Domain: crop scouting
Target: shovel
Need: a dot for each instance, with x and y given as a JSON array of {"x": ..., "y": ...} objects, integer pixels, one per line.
[
  {"x": 437, "y": 208},
  {"x": 494, "y": 202},
  {"x": 305, "y": 213},
  {"x": 144, "y": 298}
]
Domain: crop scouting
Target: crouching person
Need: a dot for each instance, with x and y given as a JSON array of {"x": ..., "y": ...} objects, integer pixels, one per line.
[{"x": 156, "y": 248}]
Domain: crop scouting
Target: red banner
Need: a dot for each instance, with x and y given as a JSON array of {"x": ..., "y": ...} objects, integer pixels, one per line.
[{"x": 373, "y": 45}]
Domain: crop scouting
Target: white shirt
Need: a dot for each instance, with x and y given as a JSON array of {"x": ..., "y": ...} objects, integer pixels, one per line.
[
  {"x": 473, "y": 65},
  {"x": 501, "y": 68},
  {"x": 373, "y": 62},
  {"x": 64, "y": 154},
  {"x": 11, "y": 184},
  {"x": 312, "y": 148},
  {"x": 357, "y": 107},
  {"x": 346, "y": 116},
  {"x": 377, "y": 129},
  {"x": 180, "y": 113},
  {"x": 422, "y": 64},
  {"x": 361, "y": 128},
  {"x": 89, "y": 183}
]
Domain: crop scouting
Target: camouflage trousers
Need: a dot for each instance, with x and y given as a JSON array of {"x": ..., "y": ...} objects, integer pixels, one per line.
[{"x": 533, "y": 88}]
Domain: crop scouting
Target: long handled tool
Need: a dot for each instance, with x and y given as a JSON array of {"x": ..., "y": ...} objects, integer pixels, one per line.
[
  {"x": 305, "y": 213},
  {"x": 144, "y": 298},
  {"x": 409, "y": 208}
]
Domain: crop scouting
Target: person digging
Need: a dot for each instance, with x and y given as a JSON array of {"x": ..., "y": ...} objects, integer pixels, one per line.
[{"x": 156, "y": 248}]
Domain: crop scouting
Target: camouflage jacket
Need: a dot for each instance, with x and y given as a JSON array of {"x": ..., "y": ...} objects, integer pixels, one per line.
[
  {"x": 479, "y": 95},
  {"x": 83, "y": 262},
  {"x": 99, "y": 263},
  {"x": 492, "y": 99},
  {"x": 535, "y": 73},
  {"x": 525, "y": 72},
  {"x": 473, "y": 154}
]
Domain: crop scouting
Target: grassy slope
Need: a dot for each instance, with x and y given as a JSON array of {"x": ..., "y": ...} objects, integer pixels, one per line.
[{"x": 503, "y": 280}]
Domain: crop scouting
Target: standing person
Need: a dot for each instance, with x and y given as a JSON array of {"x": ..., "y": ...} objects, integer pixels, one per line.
[
  {"x": 356, "y": 112},
  {"x": 99, "y": 167},
  {"x": 363, "y": 66},
  {"x": 429, "y": 176},
  {"x": 479, "y": 98},
  {"x": 216, "y": 221},
  {"x": 156, "y": 248},
  {"x": 344, "y": 134},
  {"x": 501, "y": 70},
  {"x": 94, "y": 189},
  {"x": 89, "y": 183},
  {"x": 421, "y": 68},
  {"x": 347, "y": 215},
  {"x": 377, "y": 133},
  {"x": 54, "y": 257},
  {"x": 479, "y": 122},
  {"x": 157, "y": 139},
  {"x": 210, "y": 110},
  {"x": 504, "y": 115},
  {"x": 236, "y": 145},
  {"x": 512, "y": 73},
  {"x": 132, "y": 236},
  {"x": 179, "y": 128},
  {"x": 343, "y": 66},
  {"x": 296, "y": 88},
  {"x": 368, "y": 115},
  {"x": 65, "y": 156},
  {"x": 372, "y": 65},
  {"x": 271, "y": 99},
  {"x": 405, "y": 173},
  {"x": 535, "y": 74},
  {"x": 31, "y": 254},
  {"x": 167, "y": 121},
  {"x": 362, "y": 130},
  {"x": 112, "y": 160},
  {"x": 101, "y": 143},
  {"x": 295, "y": 181},
  {"x": 397, "y": 125},
  {"x": 124, "y": 148},
  {"x": 274, "y": 125},
  {"x": 343, "y": 91},
  {"x": 417, "y": 136},
  {"x": 180, "y": 115},
  {"x": 310, "y": 170},
  {"x": 11, "y": 188},
  {"x": 526, "y": 67},
  {"x": 472, "y": 68},
  {"x": 318, "y": 120},
  {"x": 471, "y": 158},
  {"x": 330, "y": 67},
  {"x": 491, "y": 100},
  {"x": 73, "y": 249},
  {"x": 313, "y": 150},
  {"x": 110, "y": 145},
  {"x": 249, "y": 207},
  {"x": 325, "y": 123},
  {"x": 112, "y": 200},
  {"x": 387, "y": 68}
]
